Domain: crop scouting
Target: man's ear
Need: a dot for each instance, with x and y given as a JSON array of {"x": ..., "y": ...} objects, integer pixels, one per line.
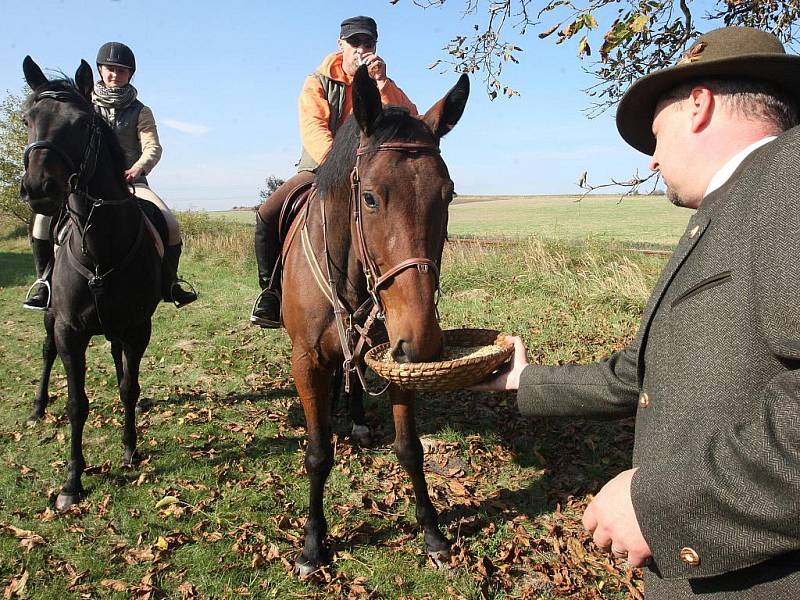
[{"x": 702, "y": 104}]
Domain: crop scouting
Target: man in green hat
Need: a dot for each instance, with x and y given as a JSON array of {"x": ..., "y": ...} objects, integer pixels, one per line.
[{"x": 711, "y": 506}]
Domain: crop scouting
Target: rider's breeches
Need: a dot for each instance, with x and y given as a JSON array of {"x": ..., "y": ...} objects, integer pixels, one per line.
[
  {"x": 41, "y": 227},
  {"x": 41, "y": 223},
  {"x": 145, "y": 193}
]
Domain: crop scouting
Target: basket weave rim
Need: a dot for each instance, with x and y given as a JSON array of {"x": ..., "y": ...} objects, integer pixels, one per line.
[{"x": 503, "y": 347}]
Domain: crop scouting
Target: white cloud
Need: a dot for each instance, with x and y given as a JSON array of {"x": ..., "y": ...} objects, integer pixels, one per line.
[{"x": 189, "y": 128}]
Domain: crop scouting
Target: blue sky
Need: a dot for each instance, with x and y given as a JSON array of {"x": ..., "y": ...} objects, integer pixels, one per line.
[{"x": 223, "y": 77}]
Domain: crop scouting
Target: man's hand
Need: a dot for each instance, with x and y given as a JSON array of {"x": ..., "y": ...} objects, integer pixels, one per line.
[
  {"x": 612, "y": 522},
  {"x": 375, "y": 66},
  {"x": 507, "y": 378},
  {"x": 133, "y": 173}
]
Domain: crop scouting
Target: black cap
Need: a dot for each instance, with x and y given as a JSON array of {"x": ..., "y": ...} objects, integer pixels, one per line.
[
  {"x": 116, "y": 54},
  {"x": 356, "y": 25}
]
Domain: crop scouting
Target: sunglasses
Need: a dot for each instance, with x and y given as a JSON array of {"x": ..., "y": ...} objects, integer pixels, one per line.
[{"x": 361, "y": 41}]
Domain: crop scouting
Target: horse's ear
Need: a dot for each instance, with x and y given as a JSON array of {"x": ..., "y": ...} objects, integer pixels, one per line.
[
  {"x": 33, "y": 74},
  {"x": 85, "y": 80},
  {"x": 366, "y": 100},
  {"x": 444, "y": 115}
]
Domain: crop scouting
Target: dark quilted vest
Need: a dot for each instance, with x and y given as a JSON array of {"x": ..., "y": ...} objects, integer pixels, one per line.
[{"x": 125, "y": 125}]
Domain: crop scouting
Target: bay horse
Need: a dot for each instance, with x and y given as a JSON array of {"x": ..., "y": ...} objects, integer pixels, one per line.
[
  {"x": 107, "y": 272},
  {"x": 372, "y": 233}
]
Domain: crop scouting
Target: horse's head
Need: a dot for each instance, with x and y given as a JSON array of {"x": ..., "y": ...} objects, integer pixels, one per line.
[
  {"x": 61, "y": 124},
  {"x": 403, "y": 193}
]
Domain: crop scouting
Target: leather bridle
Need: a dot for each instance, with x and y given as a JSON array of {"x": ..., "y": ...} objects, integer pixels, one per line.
[
  {"x": 354, "y": 338},
  {"x": 78, "y": 184},
  {"x": 80, "y": 176},
  {"x": 375, "y": 279}
]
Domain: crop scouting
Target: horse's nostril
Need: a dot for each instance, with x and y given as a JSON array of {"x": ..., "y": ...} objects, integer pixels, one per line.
[
  {"x": 399, "y": 352},
  {"x": 50, "y": 188}
]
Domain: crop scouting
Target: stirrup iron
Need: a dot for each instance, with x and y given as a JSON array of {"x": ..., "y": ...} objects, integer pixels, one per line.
[{"x": 46, "y": 285}]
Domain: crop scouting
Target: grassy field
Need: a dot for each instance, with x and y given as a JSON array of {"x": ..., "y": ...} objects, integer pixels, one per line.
[
  {"x": 216, "y": 508},
  {"x": 645, "y": 220}
]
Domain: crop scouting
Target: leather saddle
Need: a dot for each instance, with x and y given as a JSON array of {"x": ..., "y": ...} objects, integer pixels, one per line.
[{"x": 295, "y": 200}]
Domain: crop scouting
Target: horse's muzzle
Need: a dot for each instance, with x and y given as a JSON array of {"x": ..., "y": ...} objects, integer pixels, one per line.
[
  {"x": 44, "y": 198},
  {"x": 406, "y": 352}
]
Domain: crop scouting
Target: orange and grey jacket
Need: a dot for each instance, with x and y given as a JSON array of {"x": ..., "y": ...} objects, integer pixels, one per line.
[{"x": 325, "y": 103}]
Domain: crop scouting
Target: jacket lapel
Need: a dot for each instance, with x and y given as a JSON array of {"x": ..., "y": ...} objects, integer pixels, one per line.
[{"x": 694, "y": 231}]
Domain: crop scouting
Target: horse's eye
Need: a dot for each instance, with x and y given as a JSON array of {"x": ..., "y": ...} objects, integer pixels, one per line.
[{"x": 370, "y": 200}]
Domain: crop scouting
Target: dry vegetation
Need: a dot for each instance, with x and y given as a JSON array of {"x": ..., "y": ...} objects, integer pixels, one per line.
[{"x": 216, "y": 508}]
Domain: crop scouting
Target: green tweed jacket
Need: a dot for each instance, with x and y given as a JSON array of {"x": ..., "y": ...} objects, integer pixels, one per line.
[{"x": 713, "y": 378}]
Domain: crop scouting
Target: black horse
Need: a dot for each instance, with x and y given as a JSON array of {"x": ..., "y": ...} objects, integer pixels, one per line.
[{"x": 107, "y": 273}]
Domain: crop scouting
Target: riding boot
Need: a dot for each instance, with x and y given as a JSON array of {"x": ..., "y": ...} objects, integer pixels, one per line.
[
  {"x": 170, "y": 283},
  {"x": 43, "y": 259},
  {"x": 267, "y": 307}
]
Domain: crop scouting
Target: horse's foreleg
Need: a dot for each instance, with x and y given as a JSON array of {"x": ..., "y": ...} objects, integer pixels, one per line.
[
  {"x": 133, "y": 348},
  {"x": 313, "y": 384},
  {"x": 72, "y": 349},
  {"x": 49, "y": 354},
  {"x": 408, "y": 449}
]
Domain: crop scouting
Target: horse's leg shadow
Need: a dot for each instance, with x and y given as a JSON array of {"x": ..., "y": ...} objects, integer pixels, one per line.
[
  {"x": 409, "y": 452},
  {"x": 72, "y": 349},
  {"x": 359, "y": 431},
  {"x": 49, "y": 354}
]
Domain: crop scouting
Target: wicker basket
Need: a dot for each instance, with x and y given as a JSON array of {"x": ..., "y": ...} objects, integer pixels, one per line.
[{"x": 489, "y": 351}]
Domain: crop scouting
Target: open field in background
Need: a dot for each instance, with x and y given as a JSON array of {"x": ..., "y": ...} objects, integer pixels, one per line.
[
  {"x": 644, "y": 220},
  {"x": 225, "y": 438}
]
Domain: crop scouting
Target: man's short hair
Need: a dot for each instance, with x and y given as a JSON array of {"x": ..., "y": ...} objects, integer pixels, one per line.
[{"x": 750, "y": 99}]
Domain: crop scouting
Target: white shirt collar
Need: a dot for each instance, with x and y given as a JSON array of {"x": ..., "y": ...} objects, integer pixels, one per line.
[{"x": 721, "y": 176}]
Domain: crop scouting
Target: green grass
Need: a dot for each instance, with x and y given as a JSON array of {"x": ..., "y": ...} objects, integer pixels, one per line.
[
  {"x": 647, "y": 221},
  {"x": 226, "y": 437}
]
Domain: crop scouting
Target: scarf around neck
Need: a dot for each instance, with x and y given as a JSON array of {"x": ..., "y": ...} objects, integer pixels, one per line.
[{"x": 116, "y": 98}]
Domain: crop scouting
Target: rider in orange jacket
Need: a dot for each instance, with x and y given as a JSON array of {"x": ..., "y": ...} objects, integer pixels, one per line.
[{"x": 325, "y": 103}]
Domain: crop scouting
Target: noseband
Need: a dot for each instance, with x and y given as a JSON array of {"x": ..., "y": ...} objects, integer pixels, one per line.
[{"x": 376, "y": 280}]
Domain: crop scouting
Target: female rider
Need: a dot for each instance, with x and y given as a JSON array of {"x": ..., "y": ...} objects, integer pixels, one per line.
[{"x": 115, "y": 99}]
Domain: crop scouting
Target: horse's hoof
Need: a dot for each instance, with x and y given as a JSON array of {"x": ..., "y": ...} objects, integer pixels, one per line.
[
  {"x": 130, "y": 459},
  {"x": 303, "y": 568},
  {"x": 440, "y": 558},
  {"x": 361, "y": 435},
  {"x": 143, "y": 405},
  {"x": 65, "y": 500},
  {"x": 34, "y": 420}
]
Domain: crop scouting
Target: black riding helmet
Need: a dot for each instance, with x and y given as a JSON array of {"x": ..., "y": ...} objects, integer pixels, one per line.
[{"x": 116, "y": 54}]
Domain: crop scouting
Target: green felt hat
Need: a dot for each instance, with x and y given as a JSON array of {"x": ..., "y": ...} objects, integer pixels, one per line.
[{"x": 740, "y": 52}]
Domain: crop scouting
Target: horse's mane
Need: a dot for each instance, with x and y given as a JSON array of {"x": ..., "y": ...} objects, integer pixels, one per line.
[
  {"x": 395, "y": 123},
  {"x": 67, "y": 87}
]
